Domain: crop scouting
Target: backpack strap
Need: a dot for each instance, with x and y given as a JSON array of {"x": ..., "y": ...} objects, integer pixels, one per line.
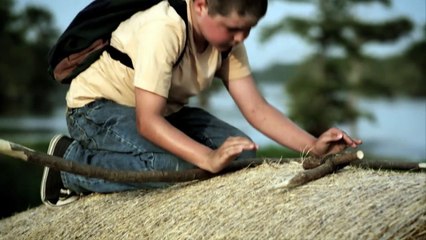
[
  {"x": 126, "y": 61},
  {"x": 119, "y": 56},
  {"x": 181, "y": 9}
]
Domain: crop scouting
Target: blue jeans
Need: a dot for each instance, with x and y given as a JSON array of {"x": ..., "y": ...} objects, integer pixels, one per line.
[{"x": 105, "y": 135}]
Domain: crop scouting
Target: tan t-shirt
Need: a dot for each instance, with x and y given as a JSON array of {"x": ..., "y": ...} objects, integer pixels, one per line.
[{"x": 154, "y": 39}]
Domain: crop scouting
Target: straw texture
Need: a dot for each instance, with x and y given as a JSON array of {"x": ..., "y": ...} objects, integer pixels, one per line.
[{"x": 250, "y": 204}]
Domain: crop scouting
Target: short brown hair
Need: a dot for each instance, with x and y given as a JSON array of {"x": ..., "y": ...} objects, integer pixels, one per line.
[{"x": 256, "y": 8}]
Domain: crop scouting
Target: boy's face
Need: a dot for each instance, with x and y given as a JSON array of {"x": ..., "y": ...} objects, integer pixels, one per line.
[{"x": 224, "y": 32}]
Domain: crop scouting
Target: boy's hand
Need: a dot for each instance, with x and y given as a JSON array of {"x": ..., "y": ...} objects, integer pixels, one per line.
[
  {"x": 227, "y": 152},
  {"x": 333, "y": 141}
]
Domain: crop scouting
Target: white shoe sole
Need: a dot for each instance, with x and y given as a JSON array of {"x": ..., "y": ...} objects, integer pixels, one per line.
[{"x": 44, "y": 199}]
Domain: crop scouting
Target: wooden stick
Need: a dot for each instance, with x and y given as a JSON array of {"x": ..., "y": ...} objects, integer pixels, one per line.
[
  {"x": 389, "y": 165},
  {"x": 310, "y": 162},
  {"x": 330, "y": 165},
  {"x": 336, "y": 162},
  {"x": 60, "y": 164},
  {"x": 338, "y": 159}
]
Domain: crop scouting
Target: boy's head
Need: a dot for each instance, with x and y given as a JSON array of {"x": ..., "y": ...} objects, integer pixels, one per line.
[
  {"x": 225, "y": 23},
  {"x": 254, "y": 8}
]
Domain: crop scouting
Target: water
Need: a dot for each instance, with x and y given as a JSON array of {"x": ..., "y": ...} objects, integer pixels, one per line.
[
  {"x": 398, "y": 131},
  {"x": 31, "y": 129}
]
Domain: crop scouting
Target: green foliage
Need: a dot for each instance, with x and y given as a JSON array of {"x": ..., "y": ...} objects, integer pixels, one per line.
[
  {"x": 273, "y": 151},
  {"x": 391, "y": 77},
  {"x": 317, "y": 101},
  {"x": 417, "y": 58},
  {"x": 384, "y": 2},
  {"x": 20, "y": 183},
  {"x": 276, "y": 73},
  {"x": 382, "y": 32},
  {"x": 25, "y": 37},
  {"x": 401, "y": 75}
]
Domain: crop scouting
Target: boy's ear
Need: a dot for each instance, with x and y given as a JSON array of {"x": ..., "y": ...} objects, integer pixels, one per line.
[{"x": 200, "y": 7}]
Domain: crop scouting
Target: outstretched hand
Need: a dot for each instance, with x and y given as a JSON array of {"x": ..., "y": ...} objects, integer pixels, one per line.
[
  {"x": 227, "y": 152},
  {"x": 333, "y": 141}
]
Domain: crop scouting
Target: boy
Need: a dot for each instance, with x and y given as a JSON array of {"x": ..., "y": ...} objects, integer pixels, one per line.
[{"x": 127, "y": 119}]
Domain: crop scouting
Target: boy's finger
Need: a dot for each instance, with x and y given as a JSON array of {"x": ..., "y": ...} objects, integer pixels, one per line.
[
  {"x": 244, "y": 142},
  {"x": 233, "y": 151},
  {"x": 350, "y": 141},
  {"x": 236, "y": 149},
  {"x": 331, "y": 135}
]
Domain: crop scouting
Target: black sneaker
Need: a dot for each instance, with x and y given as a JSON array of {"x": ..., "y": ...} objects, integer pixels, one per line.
[{"x": 53, "y": 192}]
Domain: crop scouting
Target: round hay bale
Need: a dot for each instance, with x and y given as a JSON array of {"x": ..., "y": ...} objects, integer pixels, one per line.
[{"x": 250, "y": 204}]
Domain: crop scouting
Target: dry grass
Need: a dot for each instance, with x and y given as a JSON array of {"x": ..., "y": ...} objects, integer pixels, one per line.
[{"x": 352, "y": 204}]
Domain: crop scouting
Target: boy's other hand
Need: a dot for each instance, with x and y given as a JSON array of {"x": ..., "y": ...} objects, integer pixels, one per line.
[
  {"x": 333, "y": 141},
  {"x": 227, "y": 152}
]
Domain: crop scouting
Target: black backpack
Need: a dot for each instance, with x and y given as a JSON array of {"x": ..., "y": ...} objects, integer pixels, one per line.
[{"x": 89, "y": 34}]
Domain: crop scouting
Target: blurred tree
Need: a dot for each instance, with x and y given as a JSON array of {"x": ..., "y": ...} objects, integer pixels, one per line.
[
  {"x": 7, "y": 38},
  {"x": 26, "y": 38},
  {"x": 416, "y": 54},
  {"x": 323, "y": 92},
  {"x": 276, "y": 72}
]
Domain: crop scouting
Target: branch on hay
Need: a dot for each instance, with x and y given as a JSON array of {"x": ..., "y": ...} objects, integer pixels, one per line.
[
  {"x": 330, "y": 164},
  {"x": 60, "y": 164},
  {"x": 337, "y": 159},
  {"x": 309, "y": 163},
  {"x": 140, "y": 176},
  {"x": 390, "y": 165}
]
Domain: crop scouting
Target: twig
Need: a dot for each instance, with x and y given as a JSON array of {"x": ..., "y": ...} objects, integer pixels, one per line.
[
  {"x": 331, "y": 164},
  {"x": 390, "y": 165},
  {"x": 338, "y": 159}
]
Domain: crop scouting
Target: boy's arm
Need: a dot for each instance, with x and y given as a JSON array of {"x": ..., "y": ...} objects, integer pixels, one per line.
[
  {"x": 275, "y": 125},
  {"x": 152, "y": 125}
]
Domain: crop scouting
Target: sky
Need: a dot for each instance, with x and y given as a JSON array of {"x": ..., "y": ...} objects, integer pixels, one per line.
[{"x": 284, "y": 48}]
